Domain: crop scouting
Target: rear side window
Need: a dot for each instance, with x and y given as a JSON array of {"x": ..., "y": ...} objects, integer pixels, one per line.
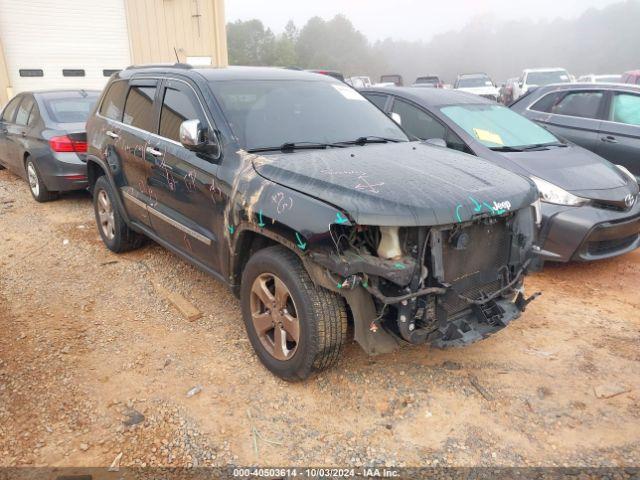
[
  {"x": 113, "y": 103},
  {"x": 177, "y": 106},
  {"x": 24, "y": 111},
  {"x": 626, "y": 108},
  {"x": 10, "y": 110},
  {"x": 417, "y": 122},
  {"x": 579, "y": 104},
  {"x": 138, "y": 109}
]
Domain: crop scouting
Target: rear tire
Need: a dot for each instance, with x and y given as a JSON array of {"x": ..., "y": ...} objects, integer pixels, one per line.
[
  {"x": 114, "y": 231},
  {"x": 38, "y": 189},
  {"x": 276, "y": 273}
]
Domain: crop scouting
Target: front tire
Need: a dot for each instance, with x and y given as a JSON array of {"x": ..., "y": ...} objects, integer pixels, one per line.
[
  {"x": 38, "y": 189},
  {"x": 115, "y": 233},
  {"x": 294, "y": 326}
]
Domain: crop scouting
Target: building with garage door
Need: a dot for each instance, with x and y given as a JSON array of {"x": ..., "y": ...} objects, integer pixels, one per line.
[{"x": 47, "y": 44}]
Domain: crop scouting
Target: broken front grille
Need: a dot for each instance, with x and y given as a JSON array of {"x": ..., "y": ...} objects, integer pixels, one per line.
[{"x": 475, "y": 260}]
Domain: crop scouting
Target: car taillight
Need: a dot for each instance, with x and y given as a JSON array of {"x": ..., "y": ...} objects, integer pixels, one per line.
[{"x": 64, "y": 144}]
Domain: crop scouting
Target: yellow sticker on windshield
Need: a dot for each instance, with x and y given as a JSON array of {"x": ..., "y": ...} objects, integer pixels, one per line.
[{"x": 487, "y": 136}]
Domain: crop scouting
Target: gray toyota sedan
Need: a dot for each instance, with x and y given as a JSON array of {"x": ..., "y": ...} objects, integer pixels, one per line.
[
  {"x": 589, "y": 206},
  {"x": 43, "y": 140}
]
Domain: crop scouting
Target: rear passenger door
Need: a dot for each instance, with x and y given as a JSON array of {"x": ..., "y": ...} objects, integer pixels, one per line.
[
  {"x": 186, "y": 213},
  {"x": 134, "y": 145},
  {"x": 574, "y": 115},
  {"x": 620, "y": 134}
]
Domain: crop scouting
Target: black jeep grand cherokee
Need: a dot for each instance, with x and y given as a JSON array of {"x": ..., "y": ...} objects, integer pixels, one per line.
[{"x": 313, "y": 206}]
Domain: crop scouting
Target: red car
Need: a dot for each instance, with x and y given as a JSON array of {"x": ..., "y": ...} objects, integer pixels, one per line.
[{"x": 632, "y": 76}]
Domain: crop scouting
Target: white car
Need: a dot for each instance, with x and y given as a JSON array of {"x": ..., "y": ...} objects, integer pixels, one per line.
[
  {"x": 359, "y": 81},
  {"x": 479, "y": 84},
  {"x": 537, "y": 77},
  {"x": 608, "y": 78}
]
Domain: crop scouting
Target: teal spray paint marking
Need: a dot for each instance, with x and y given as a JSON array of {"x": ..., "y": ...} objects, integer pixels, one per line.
[
  {"x": 301, "y": 245},
  {"x": 458, "y": 213},
  {"x": 491, "y": 209},
  {"x": 231, "y": 229},
  {"x": 260, "y": 222},
  {"x": 400, "y": 266},
  {"x": 476, "y": 204},
  {"x": 340, "y": 219}
]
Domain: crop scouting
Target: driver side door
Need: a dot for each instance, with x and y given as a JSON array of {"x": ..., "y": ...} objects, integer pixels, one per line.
[{"x": 188, "y": 213}]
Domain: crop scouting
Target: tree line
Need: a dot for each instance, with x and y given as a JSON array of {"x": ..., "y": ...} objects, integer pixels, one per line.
[{"x": 598, "y": 41}]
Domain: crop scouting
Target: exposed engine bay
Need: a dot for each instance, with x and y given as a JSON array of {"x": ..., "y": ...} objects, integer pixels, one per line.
[{"x": 445, "y": 285}]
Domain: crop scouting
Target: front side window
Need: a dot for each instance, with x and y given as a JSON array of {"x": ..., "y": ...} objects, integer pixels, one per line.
[
  {"x": 626, "y": 108},
  {"x": 10, "y": 110},
  {"x": 177, "y": 106},
  {"x": 378, "y": 100},
  {"x": 24, "y": 110},
  {"x": 113, "y": 103},
  {"x": 138, "y": 109},
  {"x": 417, "y": 122},
  {"x": 270, "y": 113},
  {"x": 496, "y": 126},
  {"x": 579, "y": 104}
]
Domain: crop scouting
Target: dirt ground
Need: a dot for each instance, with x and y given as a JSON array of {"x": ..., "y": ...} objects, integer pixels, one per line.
[{"x": 95, "y": 363}]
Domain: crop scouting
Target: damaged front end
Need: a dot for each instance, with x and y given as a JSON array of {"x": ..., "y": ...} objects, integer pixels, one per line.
[{"x": 447, "y": 285}]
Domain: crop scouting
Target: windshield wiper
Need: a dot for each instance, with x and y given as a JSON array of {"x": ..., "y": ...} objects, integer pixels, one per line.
[
  {"x": 536, "y": 146},
  {"x": 291, "y": 146},
  {"x": 504, "y": 148},
  {"x": 368, "y": 139}
]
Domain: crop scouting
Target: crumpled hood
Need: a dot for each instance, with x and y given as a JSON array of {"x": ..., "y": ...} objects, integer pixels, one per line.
[
  {"x": 480, "y": 90},
  {"x": 576, "y": 170},
  {"x": 402, "y": 184}
]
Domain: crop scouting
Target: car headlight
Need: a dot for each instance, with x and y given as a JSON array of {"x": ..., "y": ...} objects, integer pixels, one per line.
[{"x": 551, "y": 193}]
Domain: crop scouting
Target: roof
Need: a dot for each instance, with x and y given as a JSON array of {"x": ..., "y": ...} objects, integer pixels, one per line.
[
  {"x": 62, "y": 92},
  {"x": 476, "y": 74},
  {"x": 590, "y": 86},
  {"x": 544, "y": 69},
  {"x": 231, "y": 73},
  {"x": 432, "y": 97}
]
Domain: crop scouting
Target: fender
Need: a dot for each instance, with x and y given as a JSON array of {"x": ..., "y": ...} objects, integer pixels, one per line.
[{"x": 108, "y": 172}]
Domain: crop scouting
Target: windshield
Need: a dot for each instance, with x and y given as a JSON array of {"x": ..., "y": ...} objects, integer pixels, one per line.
[
  {"x": 472, "y": 82},
  {"x": 70, "y": 110},
  {"x": 545, "y": 78},
  {"x": 498, "y": 126},
  {"x": 269, "y": 113}
]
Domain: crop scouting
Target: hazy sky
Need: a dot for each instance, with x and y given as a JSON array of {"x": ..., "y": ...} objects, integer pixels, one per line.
[{"x": 403, "y": 19}]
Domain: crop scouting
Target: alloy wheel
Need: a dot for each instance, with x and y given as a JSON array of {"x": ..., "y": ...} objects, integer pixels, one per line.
[
  {"x": 274, "y": 316},
  {"x": 33, "y": 179},
  {"x": 106, "y": 215}
]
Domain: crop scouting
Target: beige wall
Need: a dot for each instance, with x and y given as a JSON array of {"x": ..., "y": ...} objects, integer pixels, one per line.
[
  {"x": 192, "y": 27},
  {"x": 5, "y": 89}
]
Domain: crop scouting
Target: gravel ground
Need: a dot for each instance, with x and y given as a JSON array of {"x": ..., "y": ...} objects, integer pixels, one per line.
[{"x": 95, "y": 365}]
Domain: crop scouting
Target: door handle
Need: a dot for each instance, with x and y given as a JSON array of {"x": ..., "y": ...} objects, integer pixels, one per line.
[
  {"x": 154, "y": 152},
  {"x": 609, "y": 139},
  {"x": 112, "y": 134}
]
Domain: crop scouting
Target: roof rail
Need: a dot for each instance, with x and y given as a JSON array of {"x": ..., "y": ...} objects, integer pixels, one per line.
[{"x": 184, "y": 66}]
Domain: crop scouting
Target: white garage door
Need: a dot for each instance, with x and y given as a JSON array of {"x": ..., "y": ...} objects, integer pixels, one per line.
[{"x": 63, "y": 43}]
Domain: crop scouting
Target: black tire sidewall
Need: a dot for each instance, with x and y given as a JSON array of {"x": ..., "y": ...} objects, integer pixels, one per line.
[{"x": 300, "y": 365}]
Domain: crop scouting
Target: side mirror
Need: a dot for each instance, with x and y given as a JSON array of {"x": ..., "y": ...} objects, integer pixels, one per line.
[
  {"x": 520, "y": 84},
  {"x": 193, "y": 137},
  {"x": 438, "y": 142},
  {"x": 396, "y": 117}
]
